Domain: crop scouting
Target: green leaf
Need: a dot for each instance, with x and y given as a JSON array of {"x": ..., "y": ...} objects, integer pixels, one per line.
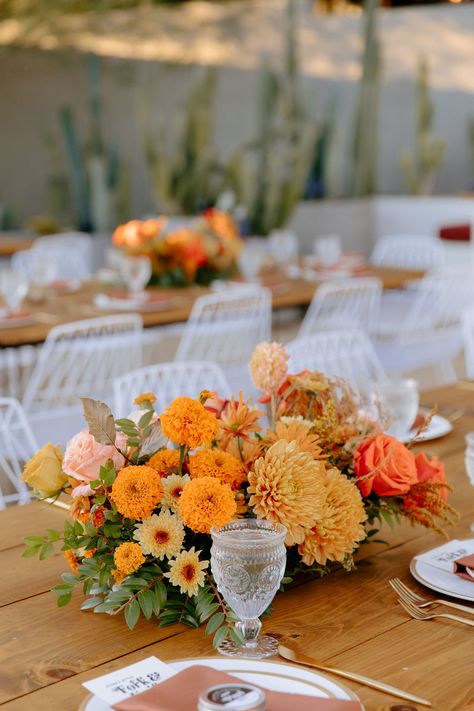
[
  {"x": 30, "y": 552},
  {"x": 53, "y": 535},
  {"x": 91, "y": 602},
  {"x": 190, "y": 621},
  {"x": 125, "y": 422},
  {"x": 46, "y": 551},
  {"x": 132, "y": 613},
  {"x": 387, "y": 518},
  {"x": 145, "y": 600},
  {"x": 236, "y": 635},
  {"x": 59, "y": 589},
  {"x": 64, "y": 600},
  {"x": 220, "y": 636},
  {"x": 215, "y": 622},
  {"x": 37, "y": 540},
  {"x": 99, "y": 417}
]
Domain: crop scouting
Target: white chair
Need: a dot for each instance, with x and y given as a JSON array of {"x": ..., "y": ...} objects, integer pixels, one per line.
[
  {"x": 225, "y": 328},
  {"x": 168, "y": 381},
  {"x": 74, "y": 240},
  {"x": 408, "y": 252},
  {"x": 79, "y": 359},
  {"x": 347, "y": 354},
  {"x": 51, "y": 261},
  {"x": 345, "y": 303},
  {"x": 468, "y": 338},
  {"x": 17, "y": 446}
]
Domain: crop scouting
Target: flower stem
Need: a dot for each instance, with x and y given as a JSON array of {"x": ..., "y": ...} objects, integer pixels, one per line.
[{"x": 134, "y": 597}]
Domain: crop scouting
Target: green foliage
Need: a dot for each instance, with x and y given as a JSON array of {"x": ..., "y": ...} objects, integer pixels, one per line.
[{"x": 421, "y": 165}]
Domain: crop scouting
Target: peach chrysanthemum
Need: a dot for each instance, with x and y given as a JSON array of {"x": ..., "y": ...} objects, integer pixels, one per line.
[
  {"x": 187, "y": 571},
  {"x": 285, "y": 486},
  {"x": 160, "y": 535},
  {"x": 165, "y": 462},
  {"x": 268, "y": 366},
  {"x": 128, "y": 557},
  {"x": 185, "y": 421},
  {"x": 237, "y": 419},
  {"x": 72, "y": 560},
  {"x": 295, "y": 430},
  {"x": 148, "y": 398},
  {"x": 205, "y": 502},
  {"x": 136, "y": 491},
  {"x": 247, "y": 450},
  {"x": 216, "y": 463},
  {"x": 340, "y": 528},
  {"x": 173, "y": 486}
]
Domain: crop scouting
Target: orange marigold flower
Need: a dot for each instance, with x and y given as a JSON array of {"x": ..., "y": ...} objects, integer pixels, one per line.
[
  {"x": 128, "y": 557},
  {"x": 185, "y": 421},
  {"x": 136, "y": 491},
  {"x": 165, "y": 462},
  {"x": 98, "y": 518},
  {"x": 90, "y": 553},
  {"x": 145, "y": 397},
  {"x": 205, "y": 502},
  {"x": 216, "y": 463},
  {"x": 72, "y": 560}
]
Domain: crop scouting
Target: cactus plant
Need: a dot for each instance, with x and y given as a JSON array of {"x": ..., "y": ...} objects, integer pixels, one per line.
[
  {"x": 421, "y": 165},
  {"x": 365, "y": 126}
]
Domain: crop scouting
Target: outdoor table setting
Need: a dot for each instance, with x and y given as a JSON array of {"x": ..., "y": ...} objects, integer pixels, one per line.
[{"x": 354, "y": 638}]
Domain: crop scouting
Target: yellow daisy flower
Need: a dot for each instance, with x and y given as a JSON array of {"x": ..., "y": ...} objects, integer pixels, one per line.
[
  {"x": 187, "y": 571},
  {"x": 173, "y": 486},
  {"x": 160, "y": 535}
]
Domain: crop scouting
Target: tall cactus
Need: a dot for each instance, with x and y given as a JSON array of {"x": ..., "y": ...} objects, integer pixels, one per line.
[
  {"x": 421, "y": 165},
  {"x": 366, "y": 121}
]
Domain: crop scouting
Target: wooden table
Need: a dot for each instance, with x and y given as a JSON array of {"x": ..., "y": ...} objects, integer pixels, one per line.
[
  {"x": 66, "y": 307},
  {"x": 11, "y": 244},
  {"x": 350, "y": 620}
]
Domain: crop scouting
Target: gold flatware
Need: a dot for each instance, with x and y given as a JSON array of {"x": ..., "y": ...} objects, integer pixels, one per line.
[
  {"x": 418, "y": 614},
  {"x": 293, "y": 656},
  {"x": 405, "y": 593}
]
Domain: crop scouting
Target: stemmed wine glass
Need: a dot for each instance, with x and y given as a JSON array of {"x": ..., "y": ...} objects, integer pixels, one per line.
[
  {"x": 248, "y": 559},
  {"x": 400, "y": 400},
  {"x": 137, "y": 273},
  {"x": 469, "y": 461},
  {"x": 13, "y": 287}
]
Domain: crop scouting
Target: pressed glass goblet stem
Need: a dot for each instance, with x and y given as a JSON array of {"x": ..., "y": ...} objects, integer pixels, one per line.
[{"x": 249, "y": 629}]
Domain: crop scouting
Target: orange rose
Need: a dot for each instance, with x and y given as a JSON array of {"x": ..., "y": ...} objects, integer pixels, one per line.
[
  {"x": 432, "y": 472},
  {"x": 384, "y": 465}
]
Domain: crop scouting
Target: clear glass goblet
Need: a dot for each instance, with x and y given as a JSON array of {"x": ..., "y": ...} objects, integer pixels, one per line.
[
  {"x": 137, "y": 273},
  {"x": 399, "y": 400},
  {"x": 248, "y": 559},
  {"x": 13, "y": 287},
  {"x": 469, "y": 461},
  {"x": 328, "y": 249}
]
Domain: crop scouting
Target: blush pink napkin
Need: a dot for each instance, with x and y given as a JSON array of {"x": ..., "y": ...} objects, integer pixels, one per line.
[
  {"x": 181, "y": 693},
  {"x": 461, "y": 564}
]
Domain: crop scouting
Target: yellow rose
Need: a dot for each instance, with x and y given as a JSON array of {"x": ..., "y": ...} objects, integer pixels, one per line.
[{"x": 44, "y": 472}]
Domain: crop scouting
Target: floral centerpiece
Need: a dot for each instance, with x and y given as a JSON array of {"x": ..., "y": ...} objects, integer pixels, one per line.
[
  {"x": 146, "y": 490},
  {"x": 197, "y": 252}
]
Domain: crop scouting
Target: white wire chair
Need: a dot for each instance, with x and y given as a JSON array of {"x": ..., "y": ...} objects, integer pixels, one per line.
[
  {"x": 408, "y": 252},
  {"x": 57, "y": 261},
  {"x": 225, "y": 327},
  {"x": 17, "y": 446},
  {"x": 81, "y": 359},
  {"x": 345, "y": 303},
  {"x": 73, "y": 240},
  {"x": 168, "y": 381},
  {"x": 347, "y": 354},
  {"x": 468, "y": 339}
]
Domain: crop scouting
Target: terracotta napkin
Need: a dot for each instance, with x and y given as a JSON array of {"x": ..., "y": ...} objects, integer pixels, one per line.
[
  {"x": 461, "y": 564},
  {"x": 181, "y": 692}
]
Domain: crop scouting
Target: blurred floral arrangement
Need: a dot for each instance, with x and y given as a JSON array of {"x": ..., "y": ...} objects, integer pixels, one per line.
[
  {"x": 145, "y": 491},
  {"x": 203, "y": 249}
]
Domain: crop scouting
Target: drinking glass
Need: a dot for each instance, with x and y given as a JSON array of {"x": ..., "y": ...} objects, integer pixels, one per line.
[
  {"x": 283, "y": 245},
  {"x": 13, "y": 287},
  {"x": 248, "y": 559},
  {"x": 136, "y": 272},
  {"x": 399, "y": 400},
  {"x": 469, "y": 461},
  {"x": 251, "y": 258},
  {"x": 328, "y": 249}
]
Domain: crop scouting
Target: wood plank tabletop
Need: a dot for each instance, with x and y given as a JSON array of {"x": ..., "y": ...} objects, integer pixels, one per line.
[
  {"x": 174, "y": 306},
  {"x": 351, "y": 620},
  {"x": 10, "y": 244}
]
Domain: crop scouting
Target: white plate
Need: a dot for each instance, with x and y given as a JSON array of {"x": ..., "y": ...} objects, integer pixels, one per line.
[
  {"x": 276, "y": 676},
  {"x": 438, "y": 427},
  {"x": 442, "y": 581}
]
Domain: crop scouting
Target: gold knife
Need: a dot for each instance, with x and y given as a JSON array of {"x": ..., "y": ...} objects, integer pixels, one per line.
[{"x": 298, "y": 658}]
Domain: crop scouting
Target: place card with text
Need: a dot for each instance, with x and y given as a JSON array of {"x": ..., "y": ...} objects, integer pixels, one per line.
[
  {"x": 129, "y": 681},
  {"x": 443, "y": 557}
]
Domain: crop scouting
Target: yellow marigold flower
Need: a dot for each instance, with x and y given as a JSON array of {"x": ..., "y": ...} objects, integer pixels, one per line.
[
  {"x": 145, "y": 397},
  {"x": 221, "y": 465},
  {"x": 160, "y": 535},
  {"x": 339, "y": 529},
  {"x": 136, "y": 491},
  {"x": 268, "y": 366},
  {"x": 72, "y": 560},
  {"x": 205, "y": 502},
  {"x": 185, "y": 421},
  {"x": 187, "y": 571},
  {"x": 285, "y": 486},
  {"x": 173, "y": 486},
  {"x": 165, "y": 462},
  {"x": 128, "y": 557}
]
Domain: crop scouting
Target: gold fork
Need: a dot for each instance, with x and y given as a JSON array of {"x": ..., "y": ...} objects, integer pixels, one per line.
[
  {"x": 418, "y": 614},
  {"x": 406, "y": 594}
]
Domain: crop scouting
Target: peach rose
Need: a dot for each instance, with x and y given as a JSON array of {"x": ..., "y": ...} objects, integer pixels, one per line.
[
  {"x": 431, "y": 471},
  {"x": 385, "y": 466},
  {"x": 84, "y": 457}
]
